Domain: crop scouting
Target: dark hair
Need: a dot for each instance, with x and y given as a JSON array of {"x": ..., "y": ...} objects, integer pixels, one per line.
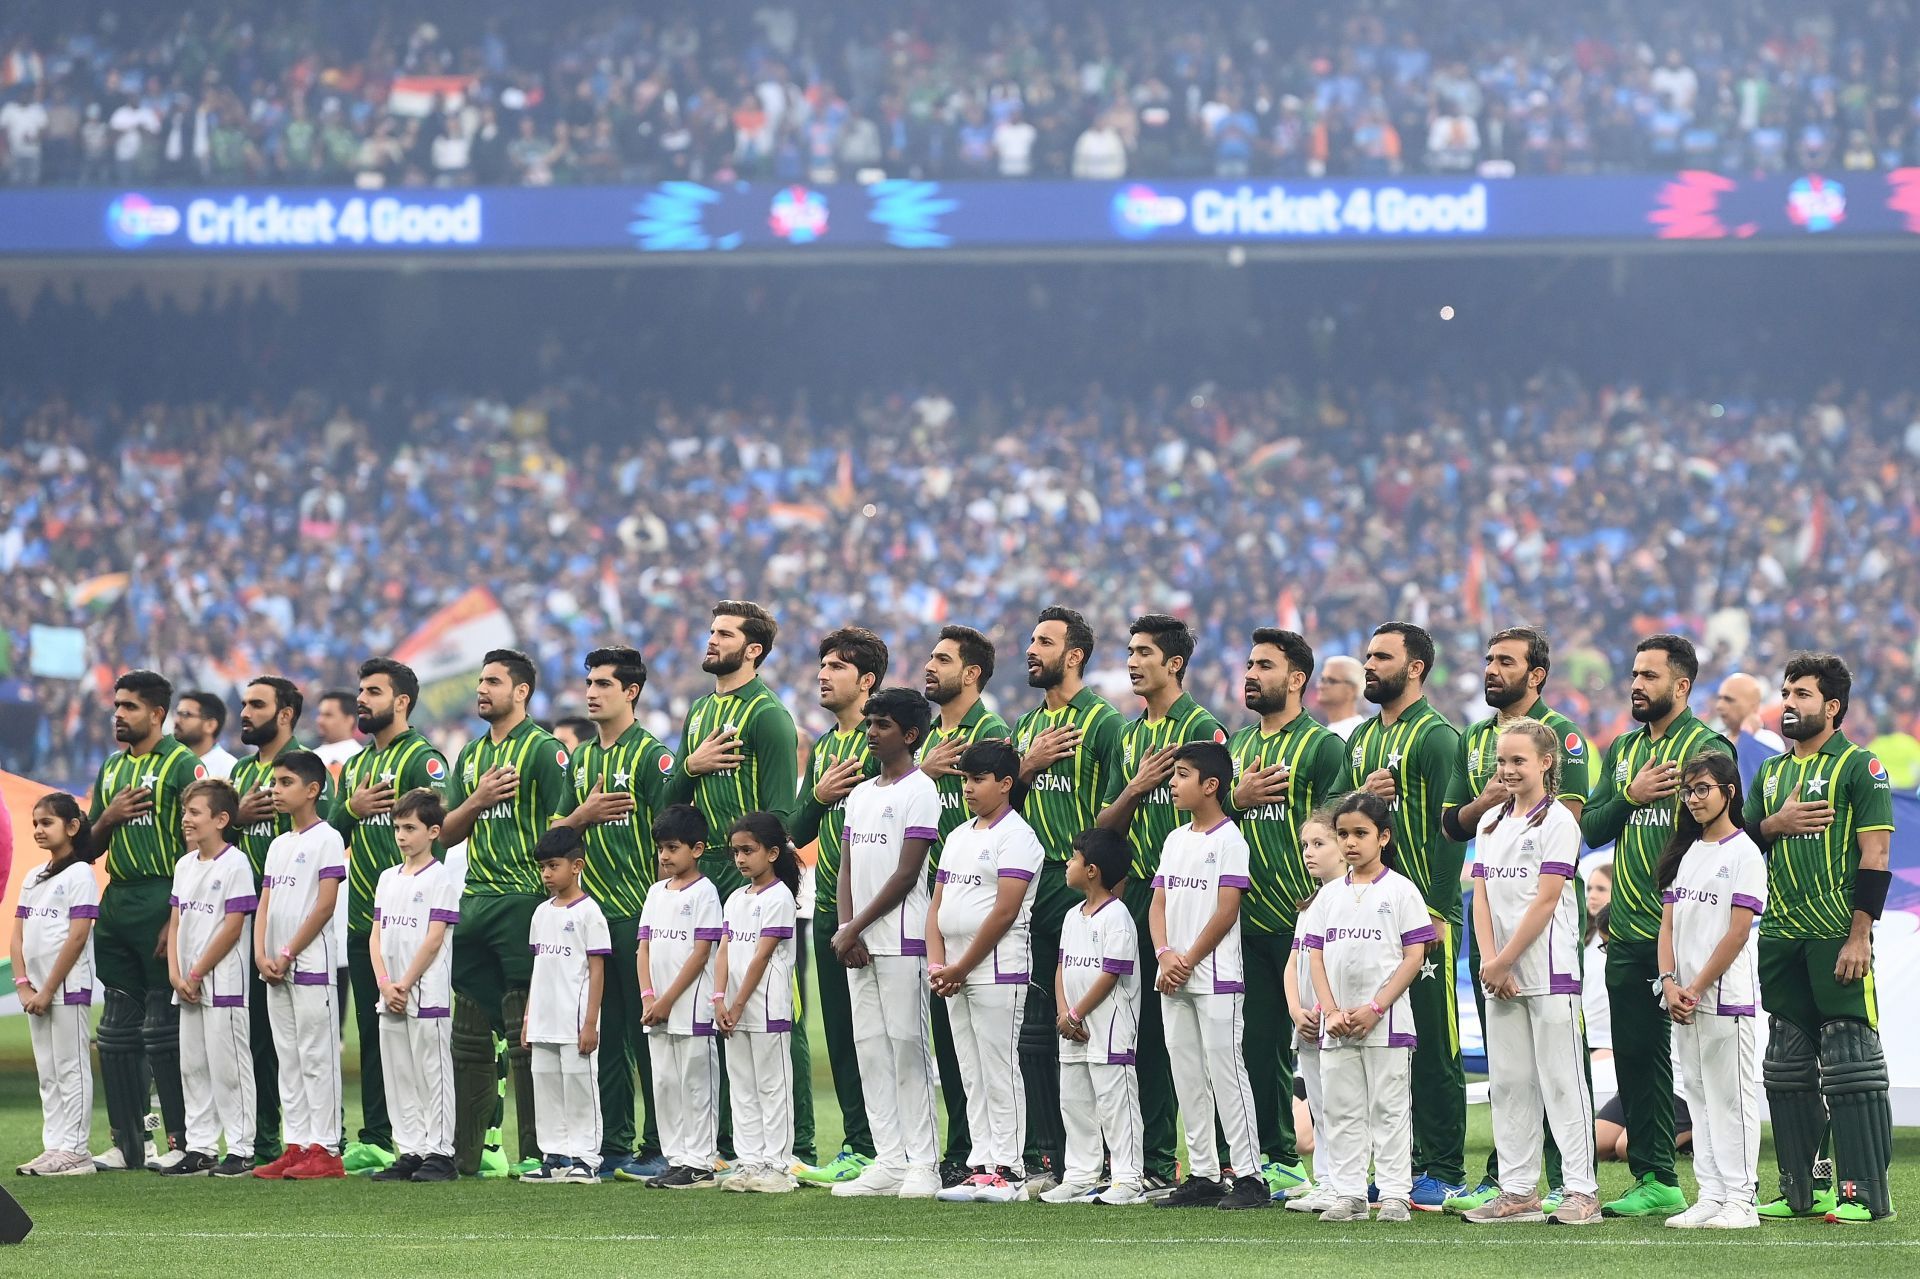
[
  {"x": 1679, "y": 650},
  {"x": 1108, "y": 852},
  {"x": 307, "y": 766},
  {"x": 211, "y": 706},
  {"x": 1079, "y": 634},
  {"x": 520, "y": 669},
  {"x": 755, "y": 623},
  {"x": 1293, "y": 647},
  {"x": 348, "y": 702},
  {"x": 1212, "y": 761},
  {"x": 286, "y": 694},
  {"x": 151, "y": 687},
  {"x": 405, "y": 683},
  {"x": 766, "y": 830},
  {"x": 559, "y": 841},
  {"x": 975, "y": 649},
  {"x": 1602, "y": 924},
  {"x": 221, "y": 798},
  {"x": 859, "y": 648},
  {"x": 424, "y": 804},
  {"x": 1539, "y": 653},
  {"x": 679, "y": 824},
  {"x": 1686, "y": 831},
  {"x": 65, "y": 808},
  {"x": 1829, "y": 672},
  {"x": 990, "y": 757},
  {"x": 580, "y": 726},
  {"x": 1374, "y": 809},
  {"x": 1419, "y": 644},
  {"x": 629, "y": 668},
  {"x": 1173, "y": 637},
  {"x": 907, "y": 707}
]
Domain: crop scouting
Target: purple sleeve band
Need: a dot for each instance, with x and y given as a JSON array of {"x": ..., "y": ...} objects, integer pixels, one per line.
[
  {"x": 173, "y": 901},
  {"x": 241, "y": 905},
  {"x": 923, "y": 832},
  {"x": 533, "y": 948},
  {"x": 1314, "y": 941},
  {"x": 1010, "y": 872},
  {"x": 1562, "y": 869},
  {"x": 1419, "y": 936},
  {"x": 786, "y": 931},
  {"x": 333, "y": 872},
  {"x": 1669, "y": 897},
  {"x": 1479, "y": 871},
  {"x": 645, "y": 934},
  {"x": 92, "y": 912},
  {"x": 940, "y": 877},
  {"x": 438, "y": 916},
  {"x": 1159, "y": 881},
  {"x": 1739, "y": 899},
  {"x": 21, "y": 912},
  {"x": 708, "y": 934},
  {"x": 1241, "y": 882},
  {"x": 599, "y": 950},
  {"x": 1118, "y": 967}
]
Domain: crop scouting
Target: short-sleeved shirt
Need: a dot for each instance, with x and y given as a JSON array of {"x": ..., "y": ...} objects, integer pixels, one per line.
[
  {"x": 1714, "y": 878},
  {"x": 1194, "y": 866},
  {"x": 47, "y": 909},
  {"x": 751, "y": 914},
  {"x": 1810, "y": 877},
  {"x": 974, "y": 862},
  {"x": 1316, "y": 761},
  {"x": 564, "y": 940},
  {"x": 500, "y": 848},
  {"x": 1091, "y": 944},
  {"x": 1422, "y": 751},
  {"x": 1155, "y": 817},
  {"x": 147, "y": 847},
  {"x": 296, "y": 865},
  {"x": 671, "y": 922},
  {"x": 1302, "y": 957},
  {"x": 254, "y": 839},
  {"x": 978, "y": 725},
  {"x": 206, "y": 890},
  {"x": 408, "y": 762},
  {"x": 881, "y": 817},
  {"x": 621, "y": 861},
  {"x": 1510, "y": 856},
  {"x": 1362, "y": 930},
  {"x": 1066, "y": 798},
  {"x": 408, "y": 903}
]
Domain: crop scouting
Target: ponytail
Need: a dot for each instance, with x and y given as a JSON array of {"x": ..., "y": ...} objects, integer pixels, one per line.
[
  {"x": 766, "y": 830},
  {"x": 66, "y": 810}
]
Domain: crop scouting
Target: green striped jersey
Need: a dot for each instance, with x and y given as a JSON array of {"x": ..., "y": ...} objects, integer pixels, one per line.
[
  {"x": 500, "y": 848},
  {"x": 406, "y": 763},
  {"x": 1316, "y": 761},
  {"x": 1064, "y": 800},
  {"x": 147, "y": 847},
  {"x": 254, "y": 839},
  {"x": 827, "y": 823},
  {"x": 1810, "y": 877},
  {"x": 621, "y": 861},
  {"x": 766, "y": 781},
  {"x": 1422, "y": 751},
  {"x": 1479, "y": 751},
  {"x": 1155, "y": 817},
  {"x": 978, "y": 724}
]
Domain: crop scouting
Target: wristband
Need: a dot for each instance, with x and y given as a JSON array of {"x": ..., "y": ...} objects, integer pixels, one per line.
[
  {"x": 934, "y": 969},
  {"x": 1161, "y": 950},
  {"x": 192, "y": 975},
  {"x": 719, "y": 997},
  {"x": 1317, "y": 1008},
  {"x": 21, "y": 981},
  {"x": 286, "y": 952},
  {"x": 1378, "y": 1011},
  {"x": 1870, "y": 891},
  {"x": 1663, "y": 979},
  {"x": 1075, "y": 1017},
  {"x": 648, "y": 993}
]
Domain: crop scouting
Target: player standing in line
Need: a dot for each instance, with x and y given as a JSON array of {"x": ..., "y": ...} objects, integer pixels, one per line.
[
  {"x": 199, "y": 717},
  {"x": 617, "y": 785},
  {"x": 892, "y": 823},
  {"x": 1069, "y": 746},
  {"x": 1823, "y": 812},
  {"x": 680, "y": 925},
  {"x": 1321, "y": 853},
  {"x": 853, "y": 661},
  {"x": 1517, "y": 664},
  {"x": 396, "y": 762},
  {"x": 507, "y": 787},
  {"x": 1287, "y": 765},
  {"x": 136, "y": 817},
  {"x": 957, "y": 673},
  {"x": 754, "y": 972},
  {"x": 1407, "y": 756},
  {"x": 568, "y": 937},
  {"x": 1634, "y": 801}
]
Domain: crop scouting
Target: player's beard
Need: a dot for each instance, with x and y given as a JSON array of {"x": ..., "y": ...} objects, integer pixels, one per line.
[
  {"x": 125, "y": 732},
  {"x": 723, "y": 663},
  {"x": 1261, "y": 702},
  {"x": 941, "y": 693},
  {"x": 1047, "y": 676},
  {"x": 369, "y": 723},
  {"x": 1504, "y": 696},
  {"x": 493, "y": 712},
  {"x": 1656, "y": 709},
  {"x": 1381, "y": 689},
  {"x": 1796, "y": 728},
  {"x": 257, "y": 736}
]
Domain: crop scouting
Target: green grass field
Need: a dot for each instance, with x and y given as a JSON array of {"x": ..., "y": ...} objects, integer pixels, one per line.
[{"x": 139, "y": 1224}]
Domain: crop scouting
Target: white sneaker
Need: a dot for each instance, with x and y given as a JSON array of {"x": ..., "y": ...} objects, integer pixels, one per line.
[
  {"x": 1000, "y": 1189},
  {"x": 1697, "y": 1216},
  {"x": 875, "y": 1179},
  {"x": 1319, "y": 1199},
  {"x": 962, "y": 1193},
  {"x": 160, "y": 1163},
  {"x": 1040, "y": 1184},
  {"x": 1735, "y": 1216},
  {"x": 922, "y": 1181},
  {"x": 771, "y": 1181},
  {"x": 35, "y": 1166},
  {"x": 66, "y": 1163},
  {"x": 1121, "y": 1194},
  {"x": 741, "y": 1181},
  {"x": 1068, "y": 1192}
]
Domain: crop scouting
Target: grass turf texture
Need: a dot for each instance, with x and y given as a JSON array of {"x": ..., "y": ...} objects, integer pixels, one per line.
[{"x": 140, "y": 1224}]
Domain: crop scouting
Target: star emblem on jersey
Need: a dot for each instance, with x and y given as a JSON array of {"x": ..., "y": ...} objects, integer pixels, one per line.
[
  {"x": 152, "y": 777},
  {"x": 1393, "y": 759},
  {"x": 1427, "y": 969},
  {"x": 620, "y": 780},
  {"x": 1816, "y": 786},
  {"x": 387, "y": 777}
]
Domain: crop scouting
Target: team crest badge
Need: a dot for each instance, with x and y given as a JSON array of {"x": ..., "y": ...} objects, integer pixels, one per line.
[
  {"x": 1575, "y": 747},
  {"x": 1359, "y": 754},
  {"x": 1473, "y": 760},
  {"x": 436, "y": 768},
  {"x": 1876, "y": 770},
  {"x": 1620, "y": 773},
  {"x": 1773, "y": 785}
]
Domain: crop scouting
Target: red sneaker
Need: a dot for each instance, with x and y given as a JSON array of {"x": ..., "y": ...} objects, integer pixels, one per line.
[
  {"x": 319, "y": 1165},
  {"x": 277, "y": 1170}
]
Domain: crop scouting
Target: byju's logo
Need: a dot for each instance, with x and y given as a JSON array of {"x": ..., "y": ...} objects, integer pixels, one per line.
[
  {"x": 132, "y": 220},
  {"x": 1138, "y": 211},
  {"x": 798, "y": 215}
]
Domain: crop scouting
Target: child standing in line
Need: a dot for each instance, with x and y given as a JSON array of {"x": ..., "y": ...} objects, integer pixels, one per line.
[
  {"x": 52, "y": 954},
  {"x": 1321, "y": 852},
  {"x": 1374, "y": 930},
  {"x": 1195, "y": 921},
  {"x": 756, "y": 963},
  {"x": 570, "y": 947},
  {"x": 294, "y": 952},
  {"x": 1098, "y": 1002},
  {"x": 208, "y": 943},
  {"x": 415, "y": 906},
  {"x": 679, "y": 925}
]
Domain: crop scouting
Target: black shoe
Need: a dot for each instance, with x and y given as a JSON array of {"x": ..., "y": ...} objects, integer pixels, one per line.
[
  {"x": 232, "y": 1166},
  {"x": 436, "y": 1168},
  {"x": 192, "y": 1164},
  {"x": 952, "y": 1173},
  {"x": 1247, "y": 1192},
  {"x": 680, "y": 1177},
  {"x": 1194, "y": 1192},
  {"x": 1153, "y": 1187},
  {"x": 401, "y": 1169}
]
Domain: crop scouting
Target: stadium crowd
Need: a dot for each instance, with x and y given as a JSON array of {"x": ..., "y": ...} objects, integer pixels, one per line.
[{"x": 582, "y": 92}]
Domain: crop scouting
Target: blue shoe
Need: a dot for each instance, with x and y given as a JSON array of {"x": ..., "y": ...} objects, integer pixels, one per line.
[
  {"x": 611, "y": 1165},
  {"x": 638, "y": 1169},
  {"x": 1373, "y": 1193},
  {"x": 552, "y": 1170},
  {"x": 1430, "y": 1195}
]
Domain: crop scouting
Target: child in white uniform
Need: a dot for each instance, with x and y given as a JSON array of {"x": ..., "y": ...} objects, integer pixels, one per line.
[
  {"x": 680, "y": 924},
  {"x": 1321, "y": 852},
  {"x": 753, "y": 1003},
  {"x": 570, "y": 946}
]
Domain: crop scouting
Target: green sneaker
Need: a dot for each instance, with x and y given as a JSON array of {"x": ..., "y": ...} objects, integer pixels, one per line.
[
  {"x": 493, "y": 1163},
  {"x": 520, "y": 1169},
  {"x": 1481, "y": 1195},
  {"x": 1551, "y": 1204},
  {"x": 1283, "y": 1179},
  {"x": 1853, "y": 1214},
  {"x": 365, "y": 1157},
  {"x": 1650, "y": 1198},
  {"x": 844, "y": 1166},
  {"x": 1824, "y": 1202}
]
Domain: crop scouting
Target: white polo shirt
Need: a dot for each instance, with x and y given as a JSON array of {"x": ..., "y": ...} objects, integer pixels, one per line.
[
  {"x": 1194, "y": 866},
  {"x": 974, "y": 862},
  {"x": 1510, "y": 856},
  {"x": 1091, "y": 944},
  {"x": 207, "y": 891},
  {"x": 1361, "y": 933},
  {"x": 564, "y": 940},
  {"x": 296, "y": 865},
  {"x": 1712, "y": 880},
  {"x": 880, "y": 817},
  {"x": 671, "y": 921},
  {"x": 752, "y": 914},
  {"x": 407, "y": 903}
]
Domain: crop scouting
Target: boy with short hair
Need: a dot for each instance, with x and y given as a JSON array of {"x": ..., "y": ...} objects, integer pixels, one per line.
[
  {"x": 679, "y": 926},
  {"x": 294, "y": 952},
  {"x": 570, "y": 947}
]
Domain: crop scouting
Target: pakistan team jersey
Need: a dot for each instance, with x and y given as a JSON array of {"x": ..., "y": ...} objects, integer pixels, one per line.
[
  {"x": 621, "y": 861},
  {"x": 1155, "y": 817},
  {"x": 1316, "y": 761},
  {"x": 500, "y": 849},
  {"x": 254, "y": 773},
  {"x": 1479, "y": 754},
  {"x": 978, "y": 725},
  {"x": 766, "y": 780},
  {"x": 828, "y": 822},
  {"x": 406, "y": 763},
  {"x": 1639, "y": 832},
  {"x": 1422, "y": 751},
  {"x": 1810, "y": 877},
  {"x": 146, "y": 847},
  {"x": 1065, "y": 799}
]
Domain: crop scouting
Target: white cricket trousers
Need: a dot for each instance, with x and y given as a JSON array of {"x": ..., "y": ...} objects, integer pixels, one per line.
[
  {"x": 1537, "y": 1058},
  {"x": 1367, "y": 1094},
  {"x": 686, "y": 1088},
  {"x": 306, "y": 1038},
  {"x": 1306, "y": 1064},
  {"x": 760, "y": 1072},
  {"x": 216, "y": 1075},
  {"x": 1204, "y": 1034},
  {"x": 66, "y": 1076},
  {"x": 890, "y": 1039},
  {"x": 1716, "y": 1070},
  {"x": 566, "y": 1101},
  {"x": 1100, "y": 1104},
  {"x": 416, "y": 1062},
  {"x": 985, "y": 1017}
]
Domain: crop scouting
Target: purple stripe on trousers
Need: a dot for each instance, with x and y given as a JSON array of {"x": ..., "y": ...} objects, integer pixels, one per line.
[
  {"x": 1734, "y": 1010},
  {"x": 1403, "y": 1039},
  {"x": 1229, "y": 987},
  {"x": 229, "y": 1001},
  {"x": 313, "y": 979},
  {"x": 1120, "y": 1059},
  {"x": 79, "y": 998},
  {"x": 701, "y": 1028},
  {"x": 1563, "y": 984},
  {"x": 913, "y": 946},
  {"x": 1739, "y": 899},
  {"x": 1010, "y": 979},
  {"x": 430, "y": 1014},
  {"x": 779, "y": 1027}
]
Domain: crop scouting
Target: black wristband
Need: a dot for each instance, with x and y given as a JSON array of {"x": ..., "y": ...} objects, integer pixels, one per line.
[
  {"x": 1451, "y": 826},
  {"x": 1870, "y": 891}
]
